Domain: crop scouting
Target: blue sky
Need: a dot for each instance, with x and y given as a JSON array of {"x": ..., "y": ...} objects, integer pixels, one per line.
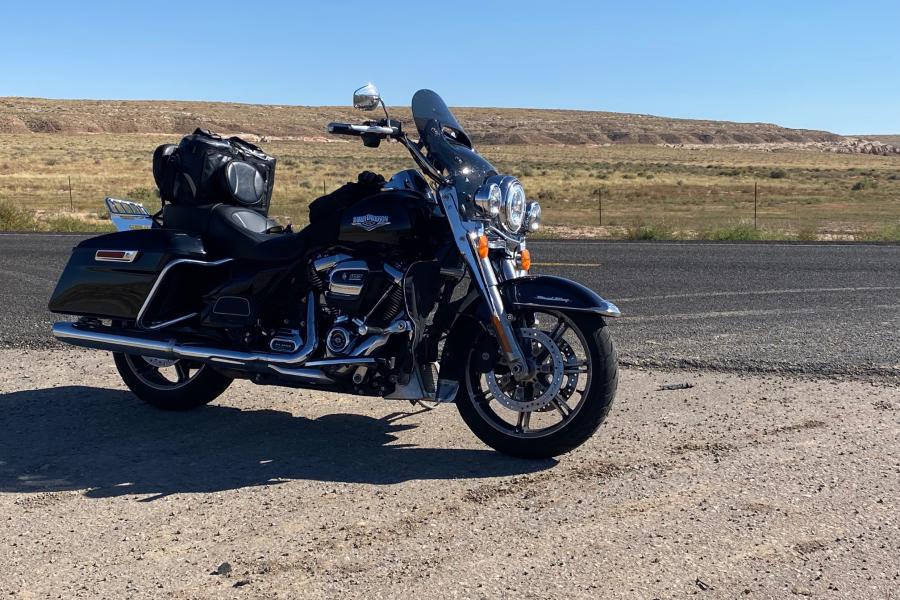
[{"x": 824, "y": 64}]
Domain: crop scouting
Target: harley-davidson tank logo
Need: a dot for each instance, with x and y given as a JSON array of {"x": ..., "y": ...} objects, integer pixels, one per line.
[{"x": 371, "y": 222}]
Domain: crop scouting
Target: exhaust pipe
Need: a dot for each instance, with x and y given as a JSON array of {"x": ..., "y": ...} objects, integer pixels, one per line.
[
  {"x": 286, "y": 364},
  {"x": 295, "y": 365}
]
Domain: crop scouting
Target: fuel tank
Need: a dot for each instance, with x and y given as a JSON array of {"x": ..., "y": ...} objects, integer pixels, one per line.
[{"x": 393, "y": 217}]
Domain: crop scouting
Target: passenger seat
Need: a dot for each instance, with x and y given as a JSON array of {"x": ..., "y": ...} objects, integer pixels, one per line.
[{"x": 237, "y": 232}]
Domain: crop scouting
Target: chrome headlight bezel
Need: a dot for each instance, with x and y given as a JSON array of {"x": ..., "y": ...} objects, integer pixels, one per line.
[
  {"x": 533, "y": 217},
  {"x": 514, "y": 206},
  {"x": 511, "y": 217},
  {"x": 489, "y": 199},
  {"x": 502, "y": 199}
]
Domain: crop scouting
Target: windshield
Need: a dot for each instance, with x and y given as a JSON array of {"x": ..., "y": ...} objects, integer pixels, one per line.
[{"x": 448, "y": 144}]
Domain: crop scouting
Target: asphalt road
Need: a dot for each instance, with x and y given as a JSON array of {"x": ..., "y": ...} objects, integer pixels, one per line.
[{"x": 819, "y": 309}]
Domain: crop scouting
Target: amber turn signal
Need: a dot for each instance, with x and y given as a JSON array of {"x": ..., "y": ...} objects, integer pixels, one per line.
[
  {"x": 525, "y": 260},
  {"x": 482, "y": 245}
]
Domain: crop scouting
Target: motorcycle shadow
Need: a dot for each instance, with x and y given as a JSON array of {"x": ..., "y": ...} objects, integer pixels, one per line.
[{"x": 108, "y": 443}]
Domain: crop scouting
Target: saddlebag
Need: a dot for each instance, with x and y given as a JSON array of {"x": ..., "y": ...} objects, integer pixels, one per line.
[
  {"x": 206, "y": 168},
  {"x": 110, "y": 276}
]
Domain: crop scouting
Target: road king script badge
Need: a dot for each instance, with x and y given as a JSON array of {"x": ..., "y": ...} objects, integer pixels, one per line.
[{"x": 371, "y": 222}]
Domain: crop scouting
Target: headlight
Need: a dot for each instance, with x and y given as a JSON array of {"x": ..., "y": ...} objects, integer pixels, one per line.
[
  {"x": 533, "y": 216},
  {"x": 513, "y": 214},
  {"x": 489, "y": 198}
]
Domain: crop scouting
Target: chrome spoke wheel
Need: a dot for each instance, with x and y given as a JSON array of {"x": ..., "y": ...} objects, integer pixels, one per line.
[{"x": 547, "y": 401}]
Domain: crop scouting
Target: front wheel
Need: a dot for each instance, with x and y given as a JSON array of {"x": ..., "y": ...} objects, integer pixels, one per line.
[
  {"x": 558, "y": 408},
  {"x": 170, "y": 384}
]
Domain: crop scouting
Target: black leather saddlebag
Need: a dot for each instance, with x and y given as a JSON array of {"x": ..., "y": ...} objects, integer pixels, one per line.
[
  {"x": 110, "y": 276},
  {"x": 205, "y": 168}
]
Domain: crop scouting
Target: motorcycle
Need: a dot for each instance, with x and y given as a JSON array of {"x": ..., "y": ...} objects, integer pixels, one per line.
[{"x": 419, "y": 289}]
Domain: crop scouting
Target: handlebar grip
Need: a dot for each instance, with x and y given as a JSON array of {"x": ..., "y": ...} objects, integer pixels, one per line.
[{"x": 342, "y": 129}]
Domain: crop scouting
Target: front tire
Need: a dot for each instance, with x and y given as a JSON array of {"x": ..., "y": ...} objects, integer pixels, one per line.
[
  {"x": 170, "y": 385},
  {"x": 512, "y": 433}
]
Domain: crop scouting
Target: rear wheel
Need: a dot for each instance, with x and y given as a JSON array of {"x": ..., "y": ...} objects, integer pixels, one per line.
[
  {"x": 561, "y": 406},
  {"x": 170, "y": 384}
]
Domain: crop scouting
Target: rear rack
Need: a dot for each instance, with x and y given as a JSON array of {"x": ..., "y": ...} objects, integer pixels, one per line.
[{"x": 127, "y": 215}]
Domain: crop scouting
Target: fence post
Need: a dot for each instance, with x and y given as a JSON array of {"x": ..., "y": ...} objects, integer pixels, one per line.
[
  {"x": 600, "y": 204},
  {"x": 71, "y": 201},
  {"x": 755, "y": 202}
]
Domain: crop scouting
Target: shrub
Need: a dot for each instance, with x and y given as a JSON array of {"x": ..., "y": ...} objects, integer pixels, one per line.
[
  {"x": 142, "y": 194},
  {"x": 740, "y": 232},
  {"x": 70, "y": 224},
  {"x": 13, "y": 218},
  {"x": 649, "y": 232},
  {"x": 864, "y": 184},
  {"x": 887, "y": 233},
  {"x": 777, "y": 174},
  {"x": 808, "y": 234}
]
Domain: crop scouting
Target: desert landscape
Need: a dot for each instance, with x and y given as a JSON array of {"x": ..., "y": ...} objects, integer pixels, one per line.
[
  {"x": 751, "y": 451},
  {"x": 596, "y": 174}
]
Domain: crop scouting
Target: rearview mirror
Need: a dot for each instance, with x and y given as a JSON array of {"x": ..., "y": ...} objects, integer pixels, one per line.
[{"x": 366, "y": 97}]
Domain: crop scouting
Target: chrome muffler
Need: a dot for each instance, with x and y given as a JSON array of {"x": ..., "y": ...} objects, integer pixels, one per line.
[
  {"x": 295, "y": 365},
  {"x": 284, "y": 364}
]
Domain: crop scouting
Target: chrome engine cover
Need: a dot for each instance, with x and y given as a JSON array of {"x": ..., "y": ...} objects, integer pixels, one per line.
[{"x": 348, "y": 278}]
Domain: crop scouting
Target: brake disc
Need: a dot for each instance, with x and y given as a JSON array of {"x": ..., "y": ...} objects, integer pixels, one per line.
[
  {"x": 571, "y": 379},
  {"x": 514, "y": 399}
]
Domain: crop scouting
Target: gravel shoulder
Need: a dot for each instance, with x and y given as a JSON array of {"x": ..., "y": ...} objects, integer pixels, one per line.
[{"x": 741, "y": 486}]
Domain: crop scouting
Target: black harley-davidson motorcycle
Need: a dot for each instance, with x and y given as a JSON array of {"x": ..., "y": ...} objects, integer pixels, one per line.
[{"x": 415, "y": 288}]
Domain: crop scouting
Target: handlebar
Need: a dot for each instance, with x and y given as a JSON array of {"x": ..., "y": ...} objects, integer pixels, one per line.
[
  {"x": 380, "y": 132},
  {"x": 359, "y": 130}
]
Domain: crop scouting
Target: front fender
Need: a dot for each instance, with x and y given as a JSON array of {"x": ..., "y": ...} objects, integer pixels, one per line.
[
  {"x": 533, "y": 291},
  {"x": 547, "y": 291}
]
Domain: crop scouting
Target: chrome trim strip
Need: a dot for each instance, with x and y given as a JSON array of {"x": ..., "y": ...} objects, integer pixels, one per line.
[
  {"x": 609, "y": 310},
  {"x": 164, "y": 324},
  {"x": 307, "y": 375},
  {"x": 326, "y": 262},
  {"x": 339, "y": 362},
  {"x": 127, "y": 256},
  {"x": 162, "y": 275}
]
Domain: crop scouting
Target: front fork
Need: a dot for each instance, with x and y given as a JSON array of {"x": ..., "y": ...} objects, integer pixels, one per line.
[{"x": 466, "y": 235}]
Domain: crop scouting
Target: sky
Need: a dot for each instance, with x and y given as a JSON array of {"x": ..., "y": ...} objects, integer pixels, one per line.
[{"x": 823, "y": 64}]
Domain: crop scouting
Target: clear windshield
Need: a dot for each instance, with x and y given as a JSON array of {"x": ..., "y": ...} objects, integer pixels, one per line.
[{"x": 448, "y": 144}]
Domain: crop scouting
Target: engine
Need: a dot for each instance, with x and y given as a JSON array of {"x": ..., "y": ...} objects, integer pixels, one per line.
[{"x": 362, "y": 298}]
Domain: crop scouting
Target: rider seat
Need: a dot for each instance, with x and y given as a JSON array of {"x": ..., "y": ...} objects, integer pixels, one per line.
[{"x": 237, "y": 232}]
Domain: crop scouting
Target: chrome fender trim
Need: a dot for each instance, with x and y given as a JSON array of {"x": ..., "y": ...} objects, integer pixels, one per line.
[{"x": 558, "y": 293}]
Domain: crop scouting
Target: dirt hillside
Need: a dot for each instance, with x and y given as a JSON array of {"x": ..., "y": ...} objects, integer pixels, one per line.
[{"x": 488, "y": 125}]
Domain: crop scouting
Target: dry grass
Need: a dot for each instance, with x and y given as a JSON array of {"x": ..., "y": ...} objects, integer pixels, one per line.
[{"x": 690, "y": 192}]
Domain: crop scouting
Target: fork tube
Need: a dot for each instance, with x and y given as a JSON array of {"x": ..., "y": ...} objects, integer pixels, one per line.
[{"x": 465, "y": 234}]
